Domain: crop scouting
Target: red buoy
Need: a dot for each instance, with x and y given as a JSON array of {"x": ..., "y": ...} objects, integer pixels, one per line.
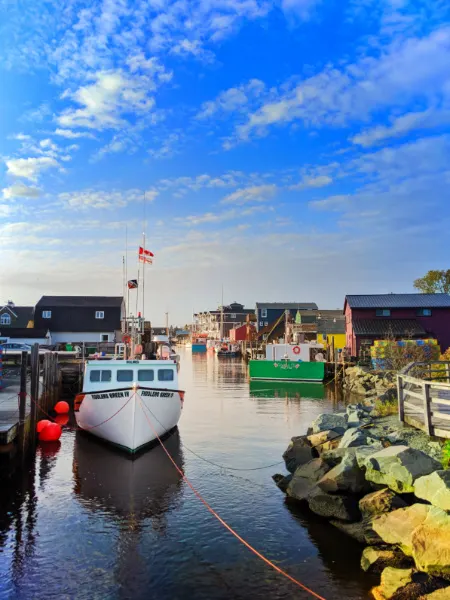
[
  {"x": 51, "y": 433},
  {"x": 61, "y": 407},
  {"x": 42, "y": 424},
  {"x": 62, "y": 419}
]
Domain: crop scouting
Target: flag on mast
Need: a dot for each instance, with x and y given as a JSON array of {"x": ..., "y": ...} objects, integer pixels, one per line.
[
  {"x": 132, "y": 284},
  {"x": 145, "y": 256}
]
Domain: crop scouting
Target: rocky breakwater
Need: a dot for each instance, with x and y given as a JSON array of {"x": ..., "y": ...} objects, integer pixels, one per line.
[
  {"x": 364, "y": 382},
  {"x": 357, "y": 472}
]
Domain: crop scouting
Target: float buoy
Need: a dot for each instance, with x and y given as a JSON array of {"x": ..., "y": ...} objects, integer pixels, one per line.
[
  {"x": 51, "y": 433},
  {"x": 62, "y": 420},
  {"x": 296, "y": 349},
  {"x": 42, "y": 424},
  {"x": 61, "y": 407}
]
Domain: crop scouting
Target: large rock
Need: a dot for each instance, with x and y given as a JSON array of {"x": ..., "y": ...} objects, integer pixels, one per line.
[
  {"x": 361, "y": 531},
  {"x": 398, "y": 467},
  {"x": 435, "y": 488},
  {"x": 334, "y": 506},
  {"x": 375, "y": 559},
  {"x": 363, "y": 452},
  {"x": 354, "y": 438},
  {"x": 327, "y": 421},
  {"x": 305, "y": 477},
  {"x": 392, "y": 580},
  {"x": 299, "y": 452},
  {"x": 442, "y": 594},
  {"x": 379, "y": 502},
  {"x": 318, "y": 439},
  {"x": 345, "y": 477},
  {"x": 282, "y": 481},
  {"x": 423, "y": 532}
]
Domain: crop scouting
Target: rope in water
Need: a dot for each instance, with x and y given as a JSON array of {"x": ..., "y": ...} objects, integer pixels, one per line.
[{"x": 219, "y": 518}]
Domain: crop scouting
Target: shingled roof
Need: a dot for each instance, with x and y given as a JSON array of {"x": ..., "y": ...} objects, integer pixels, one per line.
[
  {"x": 86, "y": 301},
  {"x": 399, "y": 301},
  {"x": 396, "y": 327}
]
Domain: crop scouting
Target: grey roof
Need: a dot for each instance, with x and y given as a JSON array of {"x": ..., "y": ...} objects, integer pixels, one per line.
[
  {"x": 329, "y": 326},
  {"x": 399, "y": 301},
  {"x": 394, "y": 327},
  {"x": 86, "y": 301},
  {"x": 23, "y": 332},
  {"x": 288, "y": 305},
  {"x": 24, "y": 314}
]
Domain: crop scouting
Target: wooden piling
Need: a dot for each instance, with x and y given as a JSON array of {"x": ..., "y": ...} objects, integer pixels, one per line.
[{"x": 34, "y": 393}]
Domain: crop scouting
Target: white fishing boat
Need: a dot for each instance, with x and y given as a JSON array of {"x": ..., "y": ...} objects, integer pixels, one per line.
[{"x": 129, "y": 403}]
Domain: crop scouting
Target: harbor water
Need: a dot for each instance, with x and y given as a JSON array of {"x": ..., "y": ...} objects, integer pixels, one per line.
[{"x": 87, "y": 522}]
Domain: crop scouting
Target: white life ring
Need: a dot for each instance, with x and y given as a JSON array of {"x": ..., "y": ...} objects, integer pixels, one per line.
[{"x": 296, "y": 350}]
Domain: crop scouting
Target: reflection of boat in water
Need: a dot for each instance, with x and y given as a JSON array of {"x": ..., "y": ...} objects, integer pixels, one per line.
[
  {"x": 144, "y": 486},
  {"x": 284, "y": 389}
]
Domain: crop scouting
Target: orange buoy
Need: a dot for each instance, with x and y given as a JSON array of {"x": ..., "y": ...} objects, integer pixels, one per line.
[
  {"x": 62, "y": 419},
  {"x": 42, "y": 424},
  {"x": 61, "y": 407},
  {"x": 51, "y": 433}
]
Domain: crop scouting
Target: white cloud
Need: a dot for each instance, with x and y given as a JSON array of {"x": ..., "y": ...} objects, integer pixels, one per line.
[
  {"x": 312, "y": 182},
  {"x": 69, "y": 134},
  {"x": 334, "y": 203},
  {"x": 30, "y": 168},
  {"x": 105, "y": 102},
  {"x": 95, "y": 199},
  {"x": 167, "y": 148},
  {"x": 259, "y": 193},
  {"x": 400, "y": 126},
  {"x": 300, "y": 8},
  {"x": 233, "y": 99},
  {"x": 19, "y": 190}
]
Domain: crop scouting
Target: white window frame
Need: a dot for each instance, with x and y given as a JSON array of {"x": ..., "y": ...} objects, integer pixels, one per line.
[
  {"x": 232, "y": 315},
  {"x": 104, "y": 334},
  {"x": 5, "y": 319},
  {"x": 46, "y": 314},
  {"x": 264, "y": 313},
  {"x": 99, "y": 314}
]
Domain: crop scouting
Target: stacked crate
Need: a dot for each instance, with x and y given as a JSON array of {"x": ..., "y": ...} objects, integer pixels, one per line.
[{"x": 382, "y": 349}]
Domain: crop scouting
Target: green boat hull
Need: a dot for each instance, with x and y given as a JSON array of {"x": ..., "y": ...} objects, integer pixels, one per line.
[{"x": 286, "y": 370}]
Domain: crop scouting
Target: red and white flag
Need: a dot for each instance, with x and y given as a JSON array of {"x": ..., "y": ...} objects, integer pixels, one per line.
[{"x": 145, "y": 256}]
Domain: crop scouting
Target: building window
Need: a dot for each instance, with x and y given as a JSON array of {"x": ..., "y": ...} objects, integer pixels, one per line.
[
  {"x": 99, "y": 314},
  {"x": 105, "y": 337},
  {"x": 264, "y": 313},
  {"x": 46, "y": 314},
  {"x": 233, "y": 315},
  {"x": 261, "y": 323},
  {"x": 5, "y": 319},
  {"x": 266, "y": 323},
  {"x": 383, "y": 312},
  {"x": 424, "y": 312}
]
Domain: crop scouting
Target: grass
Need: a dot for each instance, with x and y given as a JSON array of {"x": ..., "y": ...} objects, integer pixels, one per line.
[
  {"x": 446, "y": 455},
  {"x": 385, "y": 408}
]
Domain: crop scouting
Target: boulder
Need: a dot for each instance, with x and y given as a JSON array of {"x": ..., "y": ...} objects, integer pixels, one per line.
[
  {"x": 318, "y": 439},
  {"x": 345, "y": 477},
  {"x": 361, "y": 531},
  {"x": 379, "y": 502},
  {"x": 327, "y": 421},
  {"x": 392, "y": 580},
  {"x": 282, "y": 481},
  {"x": 334, "y": 457},
  {"x": 442, "y": 594},
  {"x": 423, "y": 532},
  {"x": 299, "y": 452},
  {"x": 375, "y": 559},
  {"x": 333, "y": 506},
  {"x": 353, "y": 438},
  {"x": 305, "y": 477},
  {"x": 398, "y": 467},
  {"x": 363, "y": 452},
  {"x": 435, "y": 488}
]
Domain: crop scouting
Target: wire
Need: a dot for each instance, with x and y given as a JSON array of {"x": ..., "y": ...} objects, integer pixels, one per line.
[
  {"x": 230, "y": 468},
  {"x": 224, "y": 523}
]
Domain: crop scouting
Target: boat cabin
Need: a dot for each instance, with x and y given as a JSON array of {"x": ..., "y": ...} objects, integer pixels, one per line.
[
  {"x": 104, "y": 375},
  {"x": 297, "y": 352}
]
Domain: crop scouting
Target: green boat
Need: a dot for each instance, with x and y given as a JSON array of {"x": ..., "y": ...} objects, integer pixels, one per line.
[
  {"x": 286, "y": 370},
  {"x": 286, "y": 389}
]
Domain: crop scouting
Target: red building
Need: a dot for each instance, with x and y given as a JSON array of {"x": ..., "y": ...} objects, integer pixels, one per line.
[
  {"x": 419, "y": 316},
  {"x": 245, "y": 333}
]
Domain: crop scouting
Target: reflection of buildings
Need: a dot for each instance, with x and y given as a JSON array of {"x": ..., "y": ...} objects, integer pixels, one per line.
[{"x": 232, "y": 316}]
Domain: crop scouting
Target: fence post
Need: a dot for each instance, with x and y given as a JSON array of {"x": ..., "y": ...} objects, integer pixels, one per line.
[
  {"x": 401, "y": 406},
  {"x": 447, "y": 372},
  {"x": 34, "y": 392},
  {"x": 23, "y": 387},
  {"x": 427, "y": 406}
]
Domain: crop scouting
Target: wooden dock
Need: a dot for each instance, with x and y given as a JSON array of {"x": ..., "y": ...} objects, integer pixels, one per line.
[{"x": 424, "y": 397}]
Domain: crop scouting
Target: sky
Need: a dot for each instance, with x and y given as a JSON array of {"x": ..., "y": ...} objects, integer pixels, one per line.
[{"x": 287, "y": 150}]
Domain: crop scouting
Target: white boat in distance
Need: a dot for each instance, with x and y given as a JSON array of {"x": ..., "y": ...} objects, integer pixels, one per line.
[{"x": 129, "y": 403}]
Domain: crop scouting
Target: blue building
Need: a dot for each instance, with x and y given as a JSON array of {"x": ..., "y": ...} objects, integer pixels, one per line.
[{"x": 268, "y": 312}]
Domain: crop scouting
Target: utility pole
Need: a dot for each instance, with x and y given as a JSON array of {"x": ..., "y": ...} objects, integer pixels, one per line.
[{"x": 167, "y": 323}]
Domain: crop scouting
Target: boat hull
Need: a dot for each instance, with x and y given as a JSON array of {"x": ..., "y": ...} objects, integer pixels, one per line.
[
  {"x": 198, "y": 347},
  {"x": 283, "y": 370},
  {"x": 130, "y": 418}
]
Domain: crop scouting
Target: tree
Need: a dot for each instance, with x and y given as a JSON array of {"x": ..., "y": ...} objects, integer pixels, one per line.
[{"x": 434, "y": 282}]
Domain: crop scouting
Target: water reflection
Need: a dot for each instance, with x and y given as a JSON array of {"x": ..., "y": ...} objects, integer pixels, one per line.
[
  {"x": 286, "y": 390},
  {"x": 135, "y": 488}
]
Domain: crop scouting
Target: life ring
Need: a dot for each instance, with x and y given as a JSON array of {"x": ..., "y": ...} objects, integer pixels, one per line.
[
  {"x": 126, "y": 339},
  {"x": 296, "y": 350}
]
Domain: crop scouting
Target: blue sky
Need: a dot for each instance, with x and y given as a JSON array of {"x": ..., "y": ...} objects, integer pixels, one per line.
[{"x": 291, "y": 150}]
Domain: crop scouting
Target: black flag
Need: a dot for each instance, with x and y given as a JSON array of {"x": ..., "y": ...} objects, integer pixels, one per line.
[{"x": 132, "y": 284}]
